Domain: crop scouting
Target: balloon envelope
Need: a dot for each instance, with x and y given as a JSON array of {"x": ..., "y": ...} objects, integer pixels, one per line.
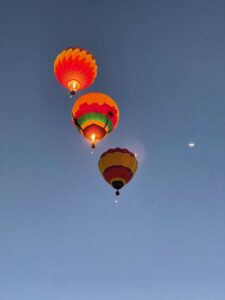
[
  {"x": 75, "y": 69},
  {"x": 95, "y": 115},
  {"x": 118, "y": 167}
]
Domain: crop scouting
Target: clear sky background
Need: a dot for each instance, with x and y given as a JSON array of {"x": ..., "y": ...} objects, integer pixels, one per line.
[{"x": 61, "y": 235}]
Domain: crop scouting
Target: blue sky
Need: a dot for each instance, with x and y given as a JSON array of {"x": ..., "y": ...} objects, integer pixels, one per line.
[{"x": 61, "y": 236}]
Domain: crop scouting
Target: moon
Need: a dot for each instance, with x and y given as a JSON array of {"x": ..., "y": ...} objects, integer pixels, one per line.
[{"x": 191, "y": 144}]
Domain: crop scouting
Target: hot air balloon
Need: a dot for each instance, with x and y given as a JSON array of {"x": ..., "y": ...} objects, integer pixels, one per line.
[
  {"x": 75, "y": 69},
  {"x": 95, "y": 115},
  {"x": 117, "y": 167}
]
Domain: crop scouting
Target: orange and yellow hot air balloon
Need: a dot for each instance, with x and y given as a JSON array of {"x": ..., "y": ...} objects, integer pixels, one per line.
[
  {"x": 95, "y": 115},
  {"x": 75, "y": 69},
  {"x": 118, "y": 167}
]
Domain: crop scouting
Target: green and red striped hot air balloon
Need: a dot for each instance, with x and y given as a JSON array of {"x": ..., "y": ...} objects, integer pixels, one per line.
[{"x": 95, "y": 115}]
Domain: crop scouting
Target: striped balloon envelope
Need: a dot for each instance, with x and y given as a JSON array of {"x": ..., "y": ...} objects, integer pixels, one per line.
[
  {"x": 95, "y": 115},
  {"x": 75, "y": 69},
  {"x": 117, "y": 167}
]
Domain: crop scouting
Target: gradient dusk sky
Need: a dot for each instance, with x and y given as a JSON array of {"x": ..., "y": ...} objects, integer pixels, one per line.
[{"x": 61, "y": 235}]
